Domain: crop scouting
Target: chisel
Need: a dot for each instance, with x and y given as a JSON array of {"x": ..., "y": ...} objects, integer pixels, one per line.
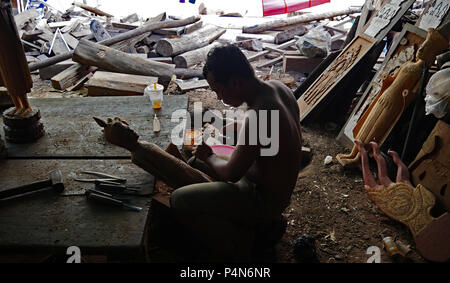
[{"x": 109, "y": 200}]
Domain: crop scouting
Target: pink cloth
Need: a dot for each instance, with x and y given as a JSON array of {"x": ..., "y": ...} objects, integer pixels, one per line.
[{"x": 277, "y": 7}]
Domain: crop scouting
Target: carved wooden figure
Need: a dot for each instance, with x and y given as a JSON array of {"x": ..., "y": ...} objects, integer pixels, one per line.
[
  {"x": 166, "y": 165},
  {"x": 13, "y": 64},
  {"x": 395, "y": 95},
  {"x": 408, "y": 205}
]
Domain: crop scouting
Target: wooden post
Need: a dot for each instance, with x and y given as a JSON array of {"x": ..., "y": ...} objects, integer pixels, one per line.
[{"x": 297, "y": 20}]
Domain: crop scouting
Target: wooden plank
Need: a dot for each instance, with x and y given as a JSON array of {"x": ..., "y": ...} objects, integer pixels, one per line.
[
  {"x": 80, "y": 83},
  {"x": 72, "y": 133},
  {"x": 70, "y": 40},
  {"x": 367, "y": 8},
  {"x": 187, "y": 86},
  {"x": 81, "y": 33},
  {"x": 271, "y": 62},
  {"x": 116, "y": 84},
  {"x": 402, "y": 50},
  {"x": 70, "y": 76},
  {"x": 265, "y": 52},
  {"x": 301, "y": 64},
  {"x": 99, "y": 32},
  {"x": 52, "y": 70},
  {"x": 329, "y": 80},
  {"x": 51, "y": 223},
  {"x": 22, "y": 18}
]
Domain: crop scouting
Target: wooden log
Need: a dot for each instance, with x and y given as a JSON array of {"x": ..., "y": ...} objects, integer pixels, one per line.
[
  {"x": 167, "y": 60},
  {"x": 116, "y": 84},
  {"x": 170, "y": 31},
  {"x": 297, "y": 20},
  {"x": 198, "y": 39},
  {"x": 289, "y": 34},
  {"x": 193, "y": 27},
  {"x": 268, "y": 38},
  {"x": 300, "y": 64},
  {"x": 128, "y": 45},
  {"x": 126, "y": 35},
  {"x": 92, "y": 9},
  {"x": 70, "y": 76},
  {"x": 193, "y": 57},
  {"x": 90, "y": 53}
]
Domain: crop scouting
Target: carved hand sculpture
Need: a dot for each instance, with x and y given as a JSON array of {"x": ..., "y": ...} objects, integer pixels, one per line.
[
  {"x": 395, "y": 95},
  {"x": 166, "y": 165},
  {"x": 406, "y": 204}
]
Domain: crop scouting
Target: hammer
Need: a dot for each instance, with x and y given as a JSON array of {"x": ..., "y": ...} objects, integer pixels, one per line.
[{"x": 55, "y": 182}]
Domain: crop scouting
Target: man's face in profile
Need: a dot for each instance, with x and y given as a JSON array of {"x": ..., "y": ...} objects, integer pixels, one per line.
[{"x": 229, "y": 92}]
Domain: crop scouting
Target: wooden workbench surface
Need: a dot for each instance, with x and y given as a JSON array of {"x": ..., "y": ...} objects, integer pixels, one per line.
[
  {"x": 72, "y": 133},
  {"x": 46, "y": 220}
]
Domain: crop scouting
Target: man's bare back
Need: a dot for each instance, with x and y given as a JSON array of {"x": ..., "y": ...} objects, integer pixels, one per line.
[{"x": 278, "y": 173}]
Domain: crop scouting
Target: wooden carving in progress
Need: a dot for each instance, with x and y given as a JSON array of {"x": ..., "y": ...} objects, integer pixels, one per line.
[
  {"x": 13, "y": 64},
  {"x": 395, "y": 95},
  {"x": 166, "y": 165},
  {"x": 411, "y": 206},
  {"x": 403, "y": 50}
]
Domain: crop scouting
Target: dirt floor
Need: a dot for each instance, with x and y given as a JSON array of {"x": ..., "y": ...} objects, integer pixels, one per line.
[{"x": 328, "y": 203}]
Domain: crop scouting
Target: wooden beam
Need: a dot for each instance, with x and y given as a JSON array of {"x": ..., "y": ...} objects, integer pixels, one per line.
[
  {"x": 70, "y": 76},
  {"x": 117, "y": 84},
  {"x": 289, "y": 34}
]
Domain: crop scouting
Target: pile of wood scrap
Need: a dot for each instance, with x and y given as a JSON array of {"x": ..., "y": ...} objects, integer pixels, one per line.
[{"x": 87, "y": 47}]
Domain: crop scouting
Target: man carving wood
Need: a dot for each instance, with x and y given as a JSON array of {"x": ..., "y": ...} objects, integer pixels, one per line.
[
  {"x": 13, "y": 64},
  {"x": 244, "y": 201}
]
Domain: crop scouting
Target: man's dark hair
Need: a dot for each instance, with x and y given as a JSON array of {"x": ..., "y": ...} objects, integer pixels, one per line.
[{"x": 225, "y": 62}]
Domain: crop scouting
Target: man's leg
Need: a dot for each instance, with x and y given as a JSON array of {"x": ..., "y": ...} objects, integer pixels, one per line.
[{"x": 222, "y": 215}]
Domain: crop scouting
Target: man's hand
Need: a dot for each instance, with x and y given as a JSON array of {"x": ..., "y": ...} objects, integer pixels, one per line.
[{"x": 203, "y": 151}]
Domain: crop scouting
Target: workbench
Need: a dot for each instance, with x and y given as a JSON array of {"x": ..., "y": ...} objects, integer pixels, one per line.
[{"x": 47, "y": 222}]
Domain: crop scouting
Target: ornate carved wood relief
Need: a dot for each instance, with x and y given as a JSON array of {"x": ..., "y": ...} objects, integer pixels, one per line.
[
  {"x": 385, "y": 18},
  {"x": 328, "y": 80},
  {"x": 435, "y": 14}
]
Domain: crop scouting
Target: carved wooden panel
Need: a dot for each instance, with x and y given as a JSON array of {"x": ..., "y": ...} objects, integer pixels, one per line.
[
  {"x": 435, "y": 14},
  {"x": 402, "y": 50},
  {"x": 329, "y": 79},
  {"x": 385, "y": 18}
]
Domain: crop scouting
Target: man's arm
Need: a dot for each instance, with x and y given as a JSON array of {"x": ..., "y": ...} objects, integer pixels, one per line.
[{"x": 240, "y": 161}]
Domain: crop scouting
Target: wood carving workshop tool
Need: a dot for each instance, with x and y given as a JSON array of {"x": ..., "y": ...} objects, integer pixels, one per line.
[
  {"x": 55, "y": 183},
  {"x": 115, "y": 188},
  {"x": 108, "y": 199},
  {"x": 106, "y": 178}
]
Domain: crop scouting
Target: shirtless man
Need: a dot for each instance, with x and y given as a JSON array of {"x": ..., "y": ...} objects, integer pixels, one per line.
[{"x": 252, "y": 189}]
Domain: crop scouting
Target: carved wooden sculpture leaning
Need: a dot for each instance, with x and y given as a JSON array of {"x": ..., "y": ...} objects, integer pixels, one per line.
[
  {"x": 408, "y": 205},
  {"x": 21, "y": 122},
  {"x": 165, "y": 165},
  {"x": 13, "y": 64},
  {"x": 395, "y": 95}
]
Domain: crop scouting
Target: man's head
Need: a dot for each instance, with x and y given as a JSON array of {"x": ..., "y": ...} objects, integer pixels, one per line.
[{"x": 228, "y": 73}]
